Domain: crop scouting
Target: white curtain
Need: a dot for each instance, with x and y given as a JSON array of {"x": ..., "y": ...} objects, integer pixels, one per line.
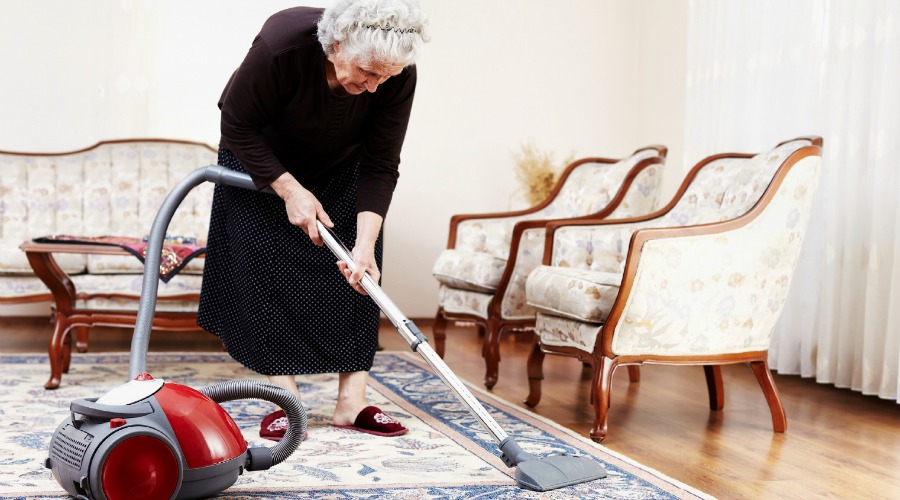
[{"x": 763, "y": 71}]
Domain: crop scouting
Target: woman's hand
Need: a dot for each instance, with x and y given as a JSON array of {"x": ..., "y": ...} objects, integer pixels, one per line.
[
  {"x": 368, "y": 226},
  {"x": 302, "y": 207},
  {"x": 364, "y": 258}
]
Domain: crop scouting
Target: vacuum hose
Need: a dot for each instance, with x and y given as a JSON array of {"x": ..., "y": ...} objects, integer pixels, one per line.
[
  {"x": 257, "y": 458},
  {"x": 264, "y": 458}
]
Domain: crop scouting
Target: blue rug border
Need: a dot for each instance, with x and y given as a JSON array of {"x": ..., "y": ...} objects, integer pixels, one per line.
[{"x": 477, "y": 434}]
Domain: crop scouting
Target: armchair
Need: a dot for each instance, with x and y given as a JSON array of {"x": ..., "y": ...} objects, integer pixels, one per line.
[
  {"x": 702, "y": 281},
  {"x": 482, "y": 273}
]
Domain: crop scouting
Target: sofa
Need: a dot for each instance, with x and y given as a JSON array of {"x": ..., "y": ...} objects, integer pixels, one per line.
[{"x": 113, "y": 188}]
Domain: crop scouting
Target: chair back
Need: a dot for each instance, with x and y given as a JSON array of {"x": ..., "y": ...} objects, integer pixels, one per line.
[
  {"x": 728, "y": 187},
  {"x": 585, "y": 188},
  {"x": 591, "y": 186}
]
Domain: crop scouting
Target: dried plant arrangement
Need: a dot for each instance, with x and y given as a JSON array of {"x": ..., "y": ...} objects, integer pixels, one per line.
[{"x": 537, "y": 172}]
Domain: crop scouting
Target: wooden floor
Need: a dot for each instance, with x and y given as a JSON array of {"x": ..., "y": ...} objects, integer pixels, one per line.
[{"x": 839, "y": 443}]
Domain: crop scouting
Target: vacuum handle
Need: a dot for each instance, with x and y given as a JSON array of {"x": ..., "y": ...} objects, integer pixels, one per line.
[{"x": 90, "y": 408}]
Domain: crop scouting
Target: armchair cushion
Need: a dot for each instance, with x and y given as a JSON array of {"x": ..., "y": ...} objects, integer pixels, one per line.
[
  {"x": 565, "y": 332},
  {"x": 573, "y": 293},
  {"x": 459, "y": 301},
  {"x": 468, "y": 270}
]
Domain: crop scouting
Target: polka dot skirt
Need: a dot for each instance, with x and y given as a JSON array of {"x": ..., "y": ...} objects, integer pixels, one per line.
[{"x": 277, "y": 301}]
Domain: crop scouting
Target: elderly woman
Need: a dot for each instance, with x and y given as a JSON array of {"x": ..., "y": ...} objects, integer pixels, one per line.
[{"x": 318, "y": 110}]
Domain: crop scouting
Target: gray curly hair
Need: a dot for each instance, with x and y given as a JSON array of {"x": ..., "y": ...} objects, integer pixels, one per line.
[{"x": 383, "y": 31}]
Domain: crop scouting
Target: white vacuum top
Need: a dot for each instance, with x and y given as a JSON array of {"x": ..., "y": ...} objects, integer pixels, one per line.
[{"x": 142, "y": 387}]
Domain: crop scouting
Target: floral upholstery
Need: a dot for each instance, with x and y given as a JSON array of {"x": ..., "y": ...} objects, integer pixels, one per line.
[
  {"x": 112, "y": 189},
  {"x": 464, "y": 301},
  {"x": 574, "y": 293},
  {"x": 469, "y": 270},
  {"x": 94, "y": 284},
  {"x": 18, "y": 286},
  {"x": 565, "y": 332},
  {"x": 741, "y": 275},
  {"x": 480, "y": 256}
]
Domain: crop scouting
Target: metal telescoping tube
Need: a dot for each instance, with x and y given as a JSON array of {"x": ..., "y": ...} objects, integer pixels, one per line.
[{"x": 399, "y": 320}]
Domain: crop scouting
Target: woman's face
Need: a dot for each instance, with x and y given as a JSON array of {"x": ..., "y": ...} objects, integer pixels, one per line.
[{"x": 359, "y": 78}]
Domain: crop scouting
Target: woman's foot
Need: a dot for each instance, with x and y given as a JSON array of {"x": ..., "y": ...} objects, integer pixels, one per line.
[
  {"x": 372, "y": 420},
  {"x": 352, "y": 410}
]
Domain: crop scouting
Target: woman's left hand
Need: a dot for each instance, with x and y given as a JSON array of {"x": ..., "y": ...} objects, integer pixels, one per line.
[
  {"x": 364, "y": 258},
  {"x": 368, "y": 225}
]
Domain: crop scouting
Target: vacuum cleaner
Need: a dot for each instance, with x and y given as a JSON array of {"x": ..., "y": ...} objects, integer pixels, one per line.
[
  {"x": 150, "y": 439},
  {"x": 532, "y": 472}
]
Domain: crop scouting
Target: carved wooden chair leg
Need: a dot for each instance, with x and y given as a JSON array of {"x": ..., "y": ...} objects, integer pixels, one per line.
[
  {"x": 603, "y": 385},
  {"x": 491, "y": 350},
  {"x": 767, "y": 383},
  {"x": 535, "y": 375},
  {"x": 81, "y": 336},
  {"x": 439, "y": 329},
  {"x": 715, "y": 387},
  {"x": 634, "y": 374}
]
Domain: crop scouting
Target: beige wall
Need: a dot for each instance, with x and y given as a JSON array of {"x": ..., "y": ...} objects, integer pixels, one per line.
[
  {"x": 662, "y": 40},
  {"x": 575, "y": 76}
]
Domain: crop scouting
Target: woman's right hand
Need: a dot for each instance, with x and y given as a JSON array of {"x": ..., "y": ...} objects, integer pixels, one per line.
[{"x": 302, "y": 207}]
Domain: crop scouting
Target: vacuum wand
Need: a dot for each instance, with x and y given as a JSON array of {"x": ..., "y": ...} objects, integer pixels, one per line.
[
  {"x": 532, "y": 472},
  {"x": 413, "y": 336}
]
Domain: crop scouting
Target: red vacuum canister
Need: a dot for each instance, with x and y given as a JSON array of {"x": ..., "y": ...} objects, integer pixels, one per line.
[{"x": 151, "y": 439}]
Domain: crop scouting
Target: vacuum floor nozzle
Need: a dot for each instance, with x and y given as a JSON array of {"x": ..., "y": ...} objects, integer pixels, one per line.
[{"x": 557, "y": 471}]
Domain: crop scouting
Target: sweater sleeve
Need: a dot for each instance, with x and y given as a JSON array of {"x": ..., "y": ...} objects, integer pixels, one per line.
[
  {"x": 249, "y": 104},
  {"x": 379, "y": 165}
]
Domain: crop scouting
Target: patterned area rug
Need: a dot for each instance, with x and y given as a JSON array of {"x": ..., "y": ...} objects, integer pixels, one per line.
[{"x": 446, "y": 454}]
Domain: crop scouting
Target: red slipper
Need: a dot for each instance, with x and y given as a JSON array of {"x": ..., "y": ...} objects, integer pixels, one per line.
[
  {"x": 374, "y": 421},
  {"x": 274, "y": 426}
]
